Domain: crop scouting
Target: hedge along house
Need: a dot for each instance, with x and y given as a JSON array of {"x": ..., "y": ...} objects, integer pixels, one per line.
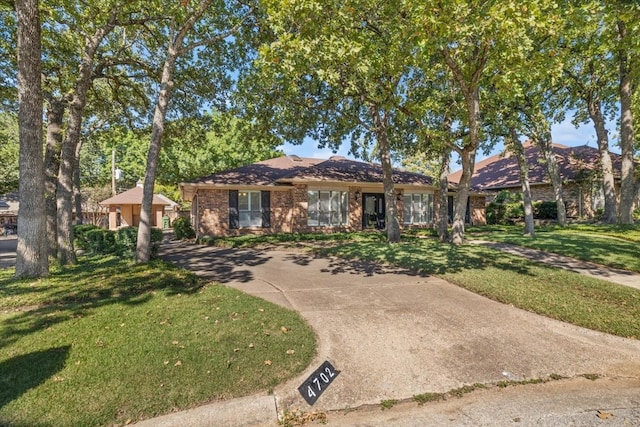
[
  {"x": 291, "y": 194},
  {"x": 579, "y": 169},
  {"x": 124, "y": 208}
]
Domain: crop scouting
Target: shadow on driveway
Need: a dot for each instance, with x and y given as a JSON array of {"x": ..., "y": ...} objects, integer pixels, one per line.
[{"x": 222, "y": 265}]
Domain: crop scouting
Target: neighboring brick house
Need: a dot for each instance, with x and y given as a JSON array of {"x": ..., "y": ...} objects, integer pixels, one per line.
[
  {"x": 579, "y": 168},
  {"x": 291, "y": 194}
]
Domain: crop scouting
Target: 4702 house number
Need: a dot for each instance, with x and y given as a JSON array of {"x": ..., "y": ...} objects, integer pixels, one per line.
[{"x": 317, "y": 383}]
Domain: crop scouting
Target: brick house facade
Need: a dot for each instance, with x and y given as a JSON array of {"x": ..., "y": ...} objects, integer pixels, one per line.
[
  {"x": 579, "y": 170},
  {"x": 295, "y": 195}
]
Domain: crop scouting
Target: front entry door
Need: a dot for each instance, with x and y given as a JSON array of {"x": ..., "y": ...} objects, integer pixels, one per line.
[{"x": 373, "y": 210}]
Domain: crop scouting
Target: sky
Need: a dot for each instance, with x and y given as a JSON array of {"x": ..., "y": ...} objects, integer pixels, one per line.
[{"x": 564, "y": 133}]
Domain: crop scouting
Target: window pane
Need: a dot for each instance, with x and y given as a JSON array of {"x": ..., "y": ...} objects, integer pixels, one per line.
[
  {"x": 323, "y": 218},
  {"x": 243, "y": 200},
  {"x": 407, "y": 208},
  {"x": 345, "y": 208},
  {"x": 245, "y": 219},
  {"x": 256, "y": 219},
  {"x": 254, "y": 200},
  {"x": 324, "y": 201}
]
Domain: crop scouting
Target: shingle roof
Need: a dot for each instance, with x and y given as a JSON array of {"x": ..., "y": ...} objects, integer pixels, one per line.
[
  {"x": 132, "y": 197},
  {"x": 338, "y": 169},
  {"x": 501, "y": 171},
  {"x": 266, "y": 172},
  {"x": 288, "y": 169}
]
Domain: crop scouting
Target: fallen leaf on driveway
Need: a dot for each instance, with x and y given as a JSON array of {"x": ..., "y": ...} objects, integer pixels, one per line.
[{"x": 604, "y": 415}]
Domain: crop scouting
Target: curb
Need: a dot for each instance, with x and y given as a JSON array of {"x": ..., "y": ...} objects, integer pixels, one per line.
[{"x": 250, "y": 411}]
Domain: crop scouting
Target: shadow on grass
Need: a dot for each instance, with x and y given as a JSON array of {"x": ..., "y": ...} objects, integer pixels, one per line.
[
  {"x": 422, "y": 257},
  {"x": 22, "y": 373},
  {"x": 78, "y": 290}
]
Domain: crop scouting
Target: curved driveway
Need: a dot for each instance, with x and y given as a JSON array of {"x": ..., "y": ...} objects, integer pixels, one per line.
[{"x": 394, "y": 334}]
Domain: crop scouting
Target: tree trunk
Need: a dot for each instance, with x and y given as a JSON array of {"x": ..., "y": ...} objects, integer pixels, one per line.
[
  {"x": 468, "y": 157},
  {"x": 77, "y": 195},
  {"x": 55, "y": 117},
  {"x": 627, "y": 184},
  {"x": 143, "y": 244},
  {"x": 543, "y": 140},
  {"x": 471, "y": 91},
  {"x": 68, "y": 160},
  {"x": 606, "y": 165},
  {"x": 380, "y": 124},
  {"x": 516, "y": 145},
  {"x": 31, "y": 260},
  {"x": 443, "y": 209}
]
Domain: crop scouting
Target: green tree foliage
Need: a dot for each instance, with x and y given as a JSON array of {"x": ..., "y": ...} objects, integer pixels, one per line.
[
  {"x": 9, "y": 148},
  {"x": 218, "y": 141}
]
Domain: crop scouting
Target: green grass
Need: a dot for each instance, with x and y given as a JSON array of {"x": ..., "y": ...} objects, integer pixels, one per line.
[
  {"x": 107, "y": 341},
  {"x": 555, "y": 293},
  {"x": 612, "y": 245}
]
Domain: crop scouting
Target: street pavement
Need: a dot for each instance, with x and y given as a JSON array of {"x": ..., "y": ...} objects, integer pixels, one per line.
[{"x": 8, "y": 246}]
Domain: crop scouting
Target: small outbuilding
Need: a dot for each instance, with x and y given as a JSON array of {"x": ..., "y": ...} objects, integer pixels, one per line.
[{"x": 124, "y": 208}]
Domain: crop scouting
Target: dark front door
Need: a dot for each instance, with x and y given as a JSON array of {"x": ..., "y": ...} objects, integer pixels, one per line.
[{"x": 373, "y": 210}]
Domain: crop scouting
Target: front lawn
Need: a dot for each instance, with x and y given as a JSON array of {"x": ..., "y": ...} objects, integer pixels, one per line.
[
  {"x": 109, "y": 342},
  {"x": 611, "y": 245}
]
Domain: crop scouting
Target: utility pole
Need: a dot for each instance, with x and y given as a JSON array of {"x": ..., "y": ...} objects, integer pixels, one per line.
[{"x": 113, "y": 172}]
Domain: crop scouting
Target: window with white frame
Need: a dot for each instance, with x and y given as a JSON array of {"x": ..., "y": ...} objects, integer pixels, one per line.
[
  {"x": 249, "y": 209},
  {"x": 418, "y": 208},
  {"x": 328, "y": 208}
]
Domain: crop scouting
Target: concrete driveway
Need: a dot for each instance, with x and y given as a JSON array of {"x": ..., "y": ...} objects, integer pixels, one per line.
[{"x": 393, "y": 334}]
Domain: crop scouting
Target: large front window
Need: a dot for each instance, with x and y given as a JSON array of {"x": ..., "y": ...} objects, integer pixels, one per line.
[
  {"x": 418, "y": 208},
  {"x": 249, "y": 209},
  {"x": 328, "y": 208}
]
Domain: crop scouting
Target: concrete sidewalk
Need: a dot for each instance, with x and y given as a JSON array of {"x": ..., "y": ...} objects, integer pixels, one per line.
[
  {"x": 614, "y": 275},
  {"x": 394, "y": 334}
]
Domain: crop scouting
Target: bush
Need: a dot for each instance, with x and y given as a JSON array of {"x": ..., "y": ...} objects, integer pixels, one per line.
[
  {"x": 100, "y": 241},
  {"x": 127, "y": 239},
  {"x": 502, "y": 213},
  {"x": 80, "y": 234},
  {"x": 183, "y": 229},
  {"x": 123, "y": 242},
  {"x": 545, "y": 210}
]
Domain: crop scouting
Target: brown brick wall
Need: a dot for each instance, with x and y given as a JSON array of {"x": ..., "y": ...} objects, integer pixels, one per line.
[
  {"x": 288, "y": 213},
  {"x": 477, "y": 210},
  {"x": 281, "y": 212},
  {"x": 213, "y": 212}
]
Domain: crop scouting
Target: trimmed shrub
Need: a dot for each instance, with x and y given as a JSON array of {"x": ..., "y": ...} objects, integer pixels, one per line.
[
  {"x": 80, "y": 235},
  {"x": 545, "y": 210},
  {"x": 100, "y": 241},
  {"x": 127, "y": 239},
  {"x": 183, "y": 229}
]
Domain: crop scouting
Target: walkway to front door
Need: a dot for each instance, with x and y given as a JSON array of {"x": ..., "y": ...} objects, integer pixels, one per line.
[{"x": 373, "y": 210}]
